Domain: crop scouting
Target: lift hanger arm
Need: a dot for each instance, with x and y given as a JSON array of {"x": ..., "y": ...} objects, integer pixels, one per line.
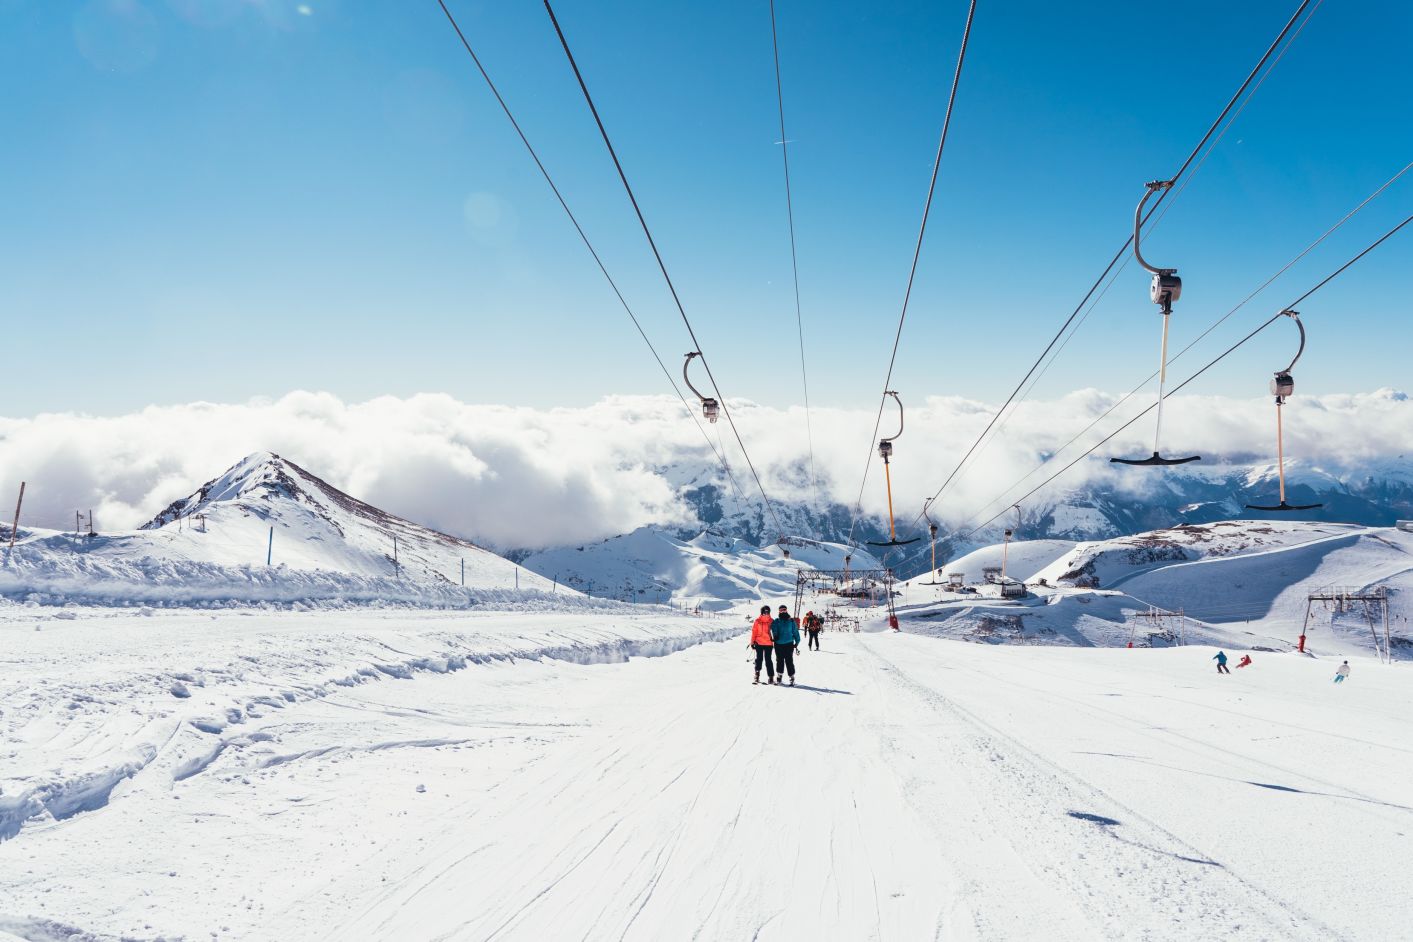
[
  {"x": 1153, "y": 187},
  {"x": 1295, "y": 316},
  {"x": 900, "y": 415}
]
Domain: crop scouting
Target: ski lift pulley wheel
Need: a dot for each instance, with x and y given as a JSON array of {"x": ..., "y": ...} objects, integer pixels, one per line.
[
  {"x": 1165, "y": 288},
  {"x": 710, "y": 407}
]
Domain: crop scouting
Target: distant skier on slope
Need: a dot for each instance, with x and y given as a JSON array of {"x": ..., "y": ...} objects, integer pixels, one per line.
[
  {"x": 762, "y": 642},
  {"x": 1341, "y": 672},
  {"x": 1245, "y": 661},
  {"x": 813, "y": 623},
  {"x": 1221, "y": 659},
  {"x": 786, "y": 635}
]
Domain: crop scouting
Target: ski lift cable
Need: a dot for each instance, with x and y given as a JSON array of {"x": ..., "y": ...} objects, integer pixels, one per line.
[
  {"x": 534, "y": 155},
  {"x": 794, "y": 261},
  {"x": 912, "y": 271},
  {"x": 1159, "y": 200},
  {"x": 662, "y": 266},
  {"x": 1217, "y": 323},
  {"x": 1221, "y": 356},
  {"x": 1004, "y": 415}
]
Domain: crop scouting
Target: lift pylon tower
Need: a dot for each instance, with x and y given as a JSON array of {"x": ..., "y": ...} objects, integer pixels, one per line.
[
  {"x": 847, "y": 584},
  {"x": 1343, "y": 599},
  {"x": 1159, "y": 622}
]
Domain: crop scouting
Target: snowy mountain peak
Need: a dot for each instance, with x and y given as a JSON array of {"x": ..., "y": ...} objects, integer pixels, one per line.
[
  {"x": 261, "y": 475},
  {"x": 266, "y": 514}
]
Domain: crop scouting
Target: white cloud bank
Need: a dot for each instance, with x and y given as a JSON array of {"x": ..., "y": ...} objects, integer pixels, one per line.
[{"x": 517, "y": 477}]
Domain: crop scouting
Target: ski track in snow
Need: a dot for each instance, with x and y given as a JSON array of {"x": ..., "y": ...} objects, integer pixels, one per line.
[{"x": 908, "y": 788}]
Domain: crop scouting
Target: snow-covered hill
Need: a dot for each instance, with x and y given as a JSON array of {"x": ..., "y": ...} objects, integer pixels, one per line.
[
  {"x": 1238, "y": 583},
  {"x": 1024, "y": 558},
  {"x": 708, "y": 571},
  {"x": 213, "y": 546}
]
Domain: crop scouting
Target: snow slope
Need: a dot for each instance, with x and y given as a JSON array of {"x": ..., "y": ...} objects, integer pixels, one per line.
[
  {"x": 212, "y": 547},
  {"x": 908, "y": 789},
  {"x": 1239, "y": 583},
  {"x": 709, "y": 571},
  {"x": 1024, "y": 558},
  {"x": 91, "y": 697}
]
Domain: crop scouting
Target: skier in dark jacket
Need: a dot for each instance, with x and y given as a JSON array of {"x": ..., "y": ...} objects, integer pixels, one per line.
[
  {"x": 1221, "y": 658},
  {"x": 813, "y": 623},
  {"x": 786, "y": 635}
]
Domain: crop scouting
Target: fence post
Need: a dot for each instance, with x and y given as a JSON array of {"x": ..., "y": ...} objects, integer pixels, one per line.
[
  {"x": 15, "y": 527},
  {"x": 270, "y": 547}
]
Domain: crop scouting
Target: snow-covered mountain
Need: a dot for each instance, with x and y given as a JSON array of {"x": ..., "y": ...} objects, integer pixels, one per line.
[
  {"x": 707, "y": 571},
  {"x": 213, "y": 545},
  {"x": 1107, "y": 504}
]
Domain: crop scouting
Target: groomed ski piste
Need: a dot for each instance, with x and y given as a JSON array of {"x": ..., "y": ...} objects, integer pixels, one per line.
[
  {"x": 498, "y": 762},
  {"x": 583, "y": 773}
]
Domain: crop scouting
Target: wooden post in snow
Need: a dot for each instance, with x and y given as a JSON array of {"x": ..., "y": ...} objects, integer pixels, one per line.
[
  {"x": 463, "y": 572},
  {"x": 397, "y": 568},
  {"x": 15, "y": 527},
  {"x": 270, "y": 547}
]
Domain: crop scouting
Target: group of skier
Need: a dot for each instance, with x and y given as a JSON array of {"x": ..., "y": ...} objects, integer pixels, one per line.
[
  {"x": 1220, "y": 657},
  {"x": 780, "y": 636}
]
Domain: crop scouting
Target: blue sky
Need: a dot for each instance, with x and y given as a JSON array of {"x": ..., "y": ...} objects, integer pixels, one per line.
[{"x": 223, "y": 199}]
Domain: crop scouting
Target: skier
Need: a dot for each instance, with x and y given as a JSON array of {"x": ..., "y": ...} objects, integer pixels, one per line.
[
  {"x": 1340, "y": 673},
  {"x": 1245, "y": 661},
  {"x": 761, "y": 641},
  {"x": 1221, "y": 659},
  {"x": 786, "y": 635},
  {"x": 813, "y": 623}
]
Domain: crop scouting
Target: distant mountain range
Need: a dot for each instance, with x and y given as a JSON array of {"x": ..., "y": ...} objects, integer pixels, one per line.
[{"x": 1377, "y": 493}]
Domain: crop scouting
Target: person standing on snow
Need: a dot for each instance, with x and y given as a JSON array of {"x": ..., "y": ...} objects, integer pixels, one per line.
[
  {"x": 1221, "y": 659},
  {"x": 786, "y": 635},
  {"x": 762, "y": 642},
  {"x": 1341, "y": 672},
  {"x": 812, "y": 624}
]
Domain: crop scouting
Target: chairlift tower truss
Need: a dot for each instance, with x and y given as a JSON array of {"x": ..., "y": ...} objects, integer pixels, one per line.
[
  {"x": 847, "y": 584},
  {"x": 1160, "y": 622}
]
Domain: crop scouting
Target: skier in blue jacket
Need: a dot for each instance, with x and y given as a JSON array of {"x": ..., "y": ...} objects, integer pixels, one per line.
[
  {"x": 1221, "y": 659},
  {"x": 786, "y": 635}
]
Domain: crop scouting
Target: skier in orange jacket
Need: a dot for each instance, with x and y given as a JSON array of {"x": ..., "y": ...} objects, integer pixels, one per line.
[{"x": 763, "y": 643}]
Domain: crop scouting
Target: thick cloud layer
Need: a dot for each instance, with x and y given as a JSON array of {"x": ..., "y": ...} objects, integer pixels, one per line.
[{"x": 514, "y": 477}]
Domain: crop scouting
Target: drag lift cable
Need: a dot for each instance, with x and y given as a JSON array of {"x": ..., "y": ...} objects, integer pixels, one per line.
[
  {"x": 661, "y": 264},
  {"x": 1118, "y": 256}
]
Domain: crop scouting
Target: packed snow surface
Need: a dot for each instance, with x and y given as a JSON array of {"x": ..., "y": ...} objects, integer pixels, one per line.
[{"x": 519, "y": 774}]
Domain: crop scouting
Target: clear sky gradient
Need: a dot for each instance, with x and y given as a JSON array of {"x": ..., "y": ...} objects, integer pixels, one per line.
[{"x": 222, "y": 199}]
